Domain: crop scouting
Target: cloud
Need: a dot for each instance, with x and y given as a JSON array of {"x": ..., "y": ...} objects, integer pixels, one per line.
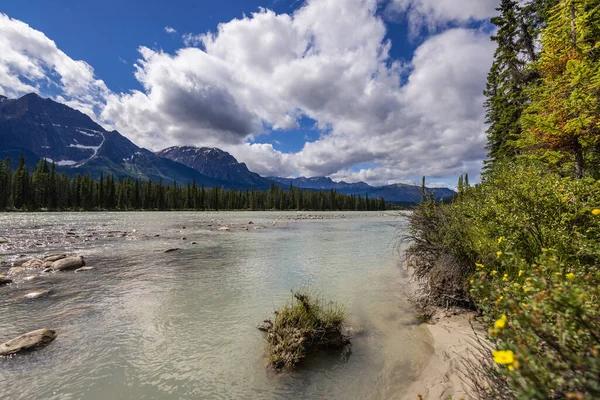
[
  {"x": 30, "y": 62},
  {"x": 328, "y": 61},
  {"x": 170, "y": 30},
  {"x": 433, "y": 14}
]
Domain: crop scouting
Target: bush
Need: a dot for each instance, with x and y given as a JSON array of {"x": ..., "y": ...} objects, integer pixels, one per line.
[
  {"x": 304, "y": 324},
  {"x": 529, "y": 208},
  {"x": 545, "y": 323}
]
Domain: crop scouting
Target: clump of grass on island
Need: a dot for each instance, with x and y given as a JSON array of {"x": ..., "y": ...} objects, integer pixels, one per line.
[{"x": 306, "y": 323}]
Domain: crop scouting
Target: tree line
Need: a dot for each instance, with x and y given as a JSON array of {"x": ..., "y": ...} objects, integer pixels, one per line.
[{"x": 46, "y": 189}]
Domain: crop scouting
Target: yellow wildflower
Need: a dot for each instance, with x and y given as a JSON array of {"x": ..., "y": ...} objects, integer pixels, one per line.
[
  {"x": 570, "y": 275},
  {"x": 596, "y": 211},
  {"x": 503, "y": 357},
  {"x": 520, "y": 272},
  {"x": 501, "y": 323}
]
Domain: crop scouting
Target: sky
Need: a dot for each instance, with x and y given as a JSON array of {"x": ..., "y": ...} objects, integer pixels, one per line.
[{"x": 381, "y": 91}]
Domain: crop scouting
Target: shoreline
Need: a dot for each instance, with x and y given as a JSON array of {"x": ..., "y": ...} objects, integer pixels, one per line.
[{"x": 455, "y": 334}]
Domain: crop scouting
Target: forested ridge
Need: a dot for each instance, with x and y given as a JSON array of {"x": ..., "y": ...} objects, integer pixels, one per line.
[
  {"x": 522, "y": 248},
  {"x": 48, "y": 190}
]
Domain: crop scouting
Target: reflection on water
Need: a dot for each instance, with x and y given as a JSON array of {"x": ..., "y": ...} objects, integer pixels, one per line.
[{"x": 145, "y": 324}]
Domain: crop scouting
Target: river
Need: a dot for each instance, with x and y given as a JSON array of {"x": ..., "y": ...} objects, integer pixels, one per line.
[{"x": 145, "y": 324}]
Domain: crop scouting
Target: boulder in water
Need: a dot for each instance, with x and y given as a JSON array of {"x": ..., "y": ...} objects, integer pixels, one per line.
[
  {"x": 16, "y": 270},
  {"x": 37, "y": 294},
  {"x": 28, "y": 342},
  {"x": 4, "y": 280},
  {"x": 82, "y": 269},
  {"x": 54, "y": 257},
  {"x": 68, "y": 264},
  {"x": 34, "y": 263}
]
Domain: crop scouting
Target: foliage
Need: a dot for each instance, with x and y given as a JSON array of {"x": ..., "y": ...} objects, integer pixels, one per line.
[
  {"x": 305, "y": 323},
  {"x": 545, "y": 323},
  {"x": 563, "y": 119},
  {"x": 46, "y": 189}
]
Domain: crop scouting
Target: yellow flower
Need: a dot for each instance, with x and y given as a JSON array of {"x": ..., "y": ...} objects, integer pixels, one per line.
[
  {"x": 479, "y": 265},
  {"x": 498, "y": 253},
  {"x": 503, "y": 357},
  {"x": 570, "y": 275},
  {"x": 520, "y": 272},
  {"x": 501, "y": 323},
  {"x": 596, "y": 211},
  {"x": 500, "y": 239}
]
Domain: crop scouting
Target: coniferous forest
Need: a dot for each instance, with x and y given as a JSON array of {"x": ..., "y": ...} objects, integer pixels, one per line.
[{"x": 46, "y": 189}]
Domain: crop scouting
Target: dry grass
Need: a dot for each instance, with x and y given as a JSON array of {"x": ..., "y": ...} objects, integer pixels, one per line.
[{"x": 306, "y": 323}]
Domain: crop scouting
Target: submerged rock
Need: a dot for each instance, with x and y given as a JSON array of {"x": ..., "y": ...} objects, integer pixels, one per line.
[
  {"x": 28, "y": 342},
  {"x": 16, "y": 270},
  {"x": 37, "y": 294},
  {"x": 82, "y": 269},
  {"x": 4, "y": 280},
  {"x": 34, "y": 263},
  {"x": 69, "y": 263}
]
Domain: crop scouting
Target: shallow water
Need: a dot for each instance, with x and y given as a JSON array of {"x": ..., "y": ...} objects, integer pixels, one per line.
[{"x": 145, "y": 324}]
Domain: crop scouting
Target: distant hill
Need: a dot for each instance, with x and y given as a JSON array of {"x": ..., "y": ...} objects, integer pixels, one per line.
[
  {"x": 42, "y": 128},
  {"x": 397, "y": 193},
  {"x": 215, "y": 163}
]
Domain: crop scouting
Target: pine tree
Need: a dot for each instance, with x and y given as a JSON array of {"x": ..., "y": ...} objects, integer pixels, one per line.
[{"x": 563, "y": 119}]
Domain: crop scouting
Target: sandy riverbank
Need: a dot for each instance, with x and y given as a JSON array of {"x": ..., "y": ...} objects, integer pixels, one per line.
[{"x": 455, "y": 335}]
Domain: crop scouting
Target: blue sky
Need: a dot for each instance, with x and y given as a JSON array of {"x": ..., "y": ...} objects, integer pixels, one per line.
[{"x": 367, "y": 90}]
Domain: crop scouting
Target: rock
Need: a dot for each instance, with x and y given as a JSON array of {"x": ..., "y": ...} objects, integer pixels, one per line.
[
  {"x": 55, "y": 257},
  {"x": 28, "y": 342},
  {"x": 37, "y": 294},
  {"x": 3, "y": 240},
  {"x": 35, "y": 263},
  {"x": 172, "y": 250},
  {"x": 224, "y": 228},
  {"x": 82, "y": 269},
  {"x": 16, "y": 270},
  {"x": 4, "y": 280},
  {"x": 69, "y": 263}
]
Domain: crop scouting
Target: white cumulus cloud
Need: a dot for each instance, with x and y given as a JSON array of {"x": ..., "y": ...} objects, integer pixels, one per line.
[{"x": 30, "y": 62}]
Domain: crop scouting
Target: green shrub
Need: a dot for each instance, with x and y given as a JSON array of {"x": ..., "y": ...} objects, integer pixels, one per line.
[
  {"x": 529, "y": 208},
  {"x": 544, "y": 321},
  {"x": 305, "y": 323}
]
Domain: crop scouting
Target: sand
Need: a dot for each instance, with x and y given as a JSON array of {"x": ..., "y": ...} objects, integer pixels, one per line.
[{"x": 455, "y": 336}]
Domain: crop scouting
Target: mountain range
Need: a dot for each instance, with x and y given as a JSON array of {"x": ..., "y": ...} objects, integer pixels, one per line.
[{"x": 42, "y": 128}]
